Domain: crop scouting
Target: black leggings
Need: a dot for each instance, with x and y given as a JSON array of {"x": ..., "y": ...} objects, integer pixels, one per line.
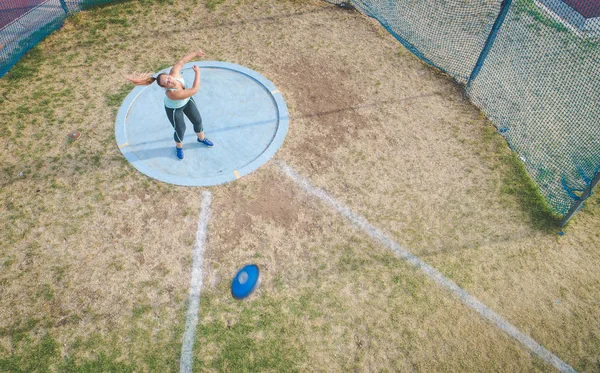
[{"x": 176, "y": 118}]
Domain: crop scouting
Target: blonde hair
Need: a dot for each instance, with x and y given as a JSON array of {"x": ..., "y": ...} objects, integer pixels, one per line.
[{"x": 142, "y": 78}]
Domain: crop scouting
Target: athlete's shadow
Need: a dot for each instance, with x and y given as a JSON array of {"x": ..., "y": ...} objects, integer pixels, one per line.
[
  {"x": 167, "y": 148},
  {"x": 150, "y": 153}
]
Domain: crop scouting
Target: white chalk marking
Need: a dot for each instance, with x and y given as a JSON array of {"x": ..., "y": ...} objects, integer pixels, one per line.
[
  {"x": 191, "y": 321},
  {"x": 549, "y": 12},
  {"x": 465, "y": 297}
]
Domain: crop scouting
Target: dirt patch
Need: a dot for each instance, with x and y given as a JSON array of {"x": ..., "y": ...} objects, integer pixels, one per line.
[
  {"x": 249, "y": 203},
  {"x": 275, "y": 204},
  {"x": 326, "y": 108}
]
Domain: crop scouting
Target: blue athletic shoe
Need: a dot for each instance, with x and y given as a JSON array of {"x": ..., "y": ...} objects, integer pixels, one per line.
[
  {"x": 179, "y": 152},
  {"x": 206, "y": 142}
]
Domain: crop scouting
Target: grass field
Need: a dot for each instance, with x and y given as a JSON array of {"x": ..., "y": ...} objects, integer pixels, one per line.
[{"x": 95, "y": 258}]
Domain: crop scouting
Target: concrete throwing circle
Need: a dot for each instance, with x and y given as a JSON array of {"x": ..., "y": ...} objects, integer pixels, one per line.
[{"x": 243, "y": 114}]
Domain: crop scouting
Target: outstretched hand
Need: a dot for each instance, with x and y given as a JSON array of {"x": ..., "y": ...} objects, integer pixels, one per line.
[{"x": 200, "y": 53}]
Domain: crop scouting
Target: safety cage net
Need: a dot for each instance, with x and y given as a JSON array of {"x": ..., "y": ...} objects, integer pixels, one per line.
[{"x": 532, "y": 66}]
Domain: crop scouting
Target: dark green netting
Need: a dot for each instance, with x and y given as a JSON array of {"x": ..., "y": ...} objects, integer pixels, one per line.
[
  {"x": 540, "y": 85},
  {"x": 532, "y": 66}
]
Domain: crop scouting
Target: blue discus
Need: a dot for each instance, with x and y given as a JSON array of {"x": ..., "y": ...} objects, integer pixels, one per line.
[{"x": 245, "y": 281}]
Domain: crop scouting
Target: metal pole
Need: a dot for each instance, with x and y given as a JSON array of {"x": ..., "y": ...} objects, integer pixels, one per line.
[
  {"x": 63, "y": 4},
  {"x": 490, "y": 40},
  {"x": 586, "y": 193}
]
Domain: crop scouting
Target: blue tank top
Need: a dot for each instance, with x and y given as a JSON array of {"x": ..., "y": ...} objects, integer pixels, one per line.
[{"x": 176, "y": 104}]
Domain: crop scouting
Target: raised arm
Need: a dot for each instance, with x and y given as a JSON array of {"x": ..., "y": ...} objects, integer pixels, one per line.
[
  {"x": 188, "y": 92},
  {"x": 176, "y": 69}
]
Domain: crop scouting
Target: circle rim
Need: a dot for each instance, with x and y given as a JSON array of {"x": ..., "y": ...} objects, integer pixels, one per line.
[{"x": 264, "y": 157}]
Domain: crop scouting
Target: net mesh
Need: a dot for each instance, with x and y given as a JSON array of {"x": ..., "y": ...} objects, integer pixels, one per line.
[
  {"x": 23, "y": 23},
  {"x": 540, "y": 85},
  {"x": 533, "y": 66}
]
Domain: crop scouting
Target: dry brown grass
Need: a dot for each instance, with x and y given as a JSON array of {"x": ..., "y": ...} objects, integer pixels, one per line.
[{"x": 98, "y": 257}]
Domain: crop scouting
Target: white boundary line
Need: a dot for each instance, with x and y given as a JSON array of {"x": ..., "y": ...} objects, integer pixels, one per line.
[
  {"x": 431, "y": 272},
  {"x": 550, "y": 13},
  {"x": 191, "y": 321}
]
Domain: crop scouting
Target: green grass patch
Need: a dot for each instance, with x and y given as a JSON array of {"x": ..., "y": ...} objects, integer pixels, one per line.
[
  {"x": 213, "y": 4},
  {"x": 28, "y": 65},
  {"x": 36, "y": 356},
  {"x": 519, "y": 184},
  {"x": 584, "y": 45},
  {"x": 109, "y": 6},
  {"x": 116, "y": 99},
  {"x": 140, "y": 310},
  {"x": 255, "y": 337},
  {"x": 101, "y": 363},
  {"x": 46, "y": 292},
  {"x": 149, "y": 348},
  {"x": 9, "y": 261},
  {"x": 530, "y": 8}
]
